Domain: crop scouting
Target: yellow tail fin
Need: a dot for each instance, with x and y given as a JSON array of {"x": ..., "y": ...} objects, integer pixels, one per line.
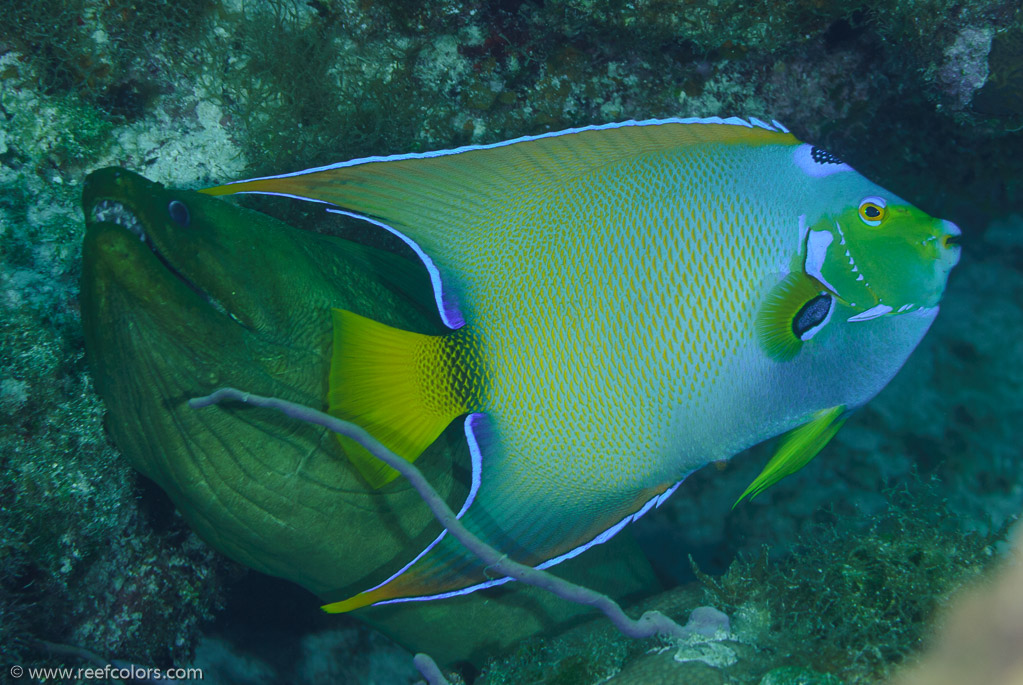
[{"x": 403, "y": 388}]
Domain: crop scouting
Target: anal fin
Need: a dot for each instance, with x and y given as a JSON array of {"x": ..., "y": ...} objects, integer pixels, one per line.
[{"x": 537, "y": 523}]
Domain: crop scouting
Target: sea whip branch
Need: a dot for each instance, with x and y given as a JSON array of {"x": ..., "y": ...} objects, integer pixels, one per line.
[{"x": 650, "y": 623}]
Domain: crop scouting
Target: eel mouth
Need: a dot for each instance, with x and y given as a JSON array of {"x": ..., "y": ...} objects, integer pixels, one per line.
[{"x": 115, "y": 212}]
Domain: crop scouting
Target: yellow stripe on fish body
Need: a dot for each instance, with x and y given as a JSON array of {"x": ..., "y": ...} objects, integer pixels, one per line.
[{"x": 643, "y": 298}]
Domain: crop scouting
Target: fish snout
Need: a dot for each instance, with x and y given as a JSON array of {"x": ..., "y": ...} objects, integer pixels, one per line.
[{"x": 948, "y": 235}]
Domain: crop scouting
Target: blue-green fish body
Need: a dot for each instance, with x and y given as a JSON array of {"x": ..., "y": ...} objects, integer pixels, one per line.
[
  {"x": 628, "y": 303},
  {"x": 182, "y": 293}
]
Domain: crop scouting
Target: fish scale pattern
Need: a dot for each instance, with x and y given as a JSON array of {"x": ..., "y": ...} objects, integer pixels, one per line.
[
  {"x": 584, "y": 377},
  {"x": 672, "y": 258}
]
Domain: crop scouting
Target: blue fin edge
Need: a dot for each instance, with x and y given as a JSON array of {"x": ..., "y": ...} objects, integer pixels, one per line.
[
  {"x": 447, "y": 306},
  {"x": 655, "y": 501},
  {"x": 472, "y": 423},
  {"x": 752, "y": 122}
]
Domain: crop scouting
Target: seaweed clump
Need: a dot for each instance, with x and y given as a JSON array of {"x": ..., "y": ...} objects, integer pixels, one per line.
[
  {"x": 290, "y": 77},
  {"x": 104, "y": 54},
  {"x": 856, "y": 603}
]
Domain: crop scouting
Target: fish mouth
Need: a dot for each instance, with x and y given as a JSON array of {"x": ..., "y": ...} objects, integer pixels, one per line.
[
  {"x": 113, "y": 211},
  {"x": 949, "y": 240}
]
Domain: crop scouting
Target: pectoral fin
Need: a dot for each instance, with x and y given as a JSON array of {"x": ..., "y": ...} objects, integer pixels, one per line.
[
  {"x": 404, "y": 388},
  {"x": 797, "y": 448},
  {"x": 793, "y": 312}
]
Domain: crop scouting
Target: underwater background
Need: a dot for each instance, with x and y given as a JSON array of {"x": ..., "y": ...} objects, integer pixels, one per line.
[{"x": 835, "y": 575}]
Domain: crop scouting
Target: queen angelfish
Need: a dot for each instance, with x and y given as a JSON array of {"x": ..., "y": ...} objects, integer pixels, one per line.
[
  {"x": 182, "y": 293},
  {"x": 626, "y": 304}
]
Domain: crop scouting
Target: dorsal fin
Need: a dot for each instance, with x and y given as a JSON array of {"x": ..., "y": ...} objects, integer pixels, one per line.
[{"x": 424, "y": 193}]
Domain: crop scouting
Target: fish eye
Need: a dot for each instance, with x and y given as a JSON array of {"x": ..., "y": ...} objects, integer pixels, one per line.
[
  {"x": 872, "y": 210},
  {"x": 178, "y": 212}
]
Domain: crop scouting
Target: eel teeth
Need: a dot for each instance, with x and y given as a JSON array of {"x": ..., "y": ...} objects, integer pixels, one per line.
[{"x": 115, "y": 212}]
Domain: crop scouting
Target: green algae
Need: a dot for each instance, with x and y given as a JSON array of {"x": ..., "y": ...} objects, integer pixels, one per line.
[
  {"x": 100, "y": 53},
  {"x": 846, "y": 605},
  {"x": 795, "y": 675},
  {"x": 853, "y": 598},
  {"x": 586, "y": 654}
]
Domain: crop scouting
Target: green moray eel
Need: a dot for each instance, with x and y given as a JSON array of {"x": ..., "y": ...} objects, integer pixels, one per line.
[{"x": 182, "y": 293}]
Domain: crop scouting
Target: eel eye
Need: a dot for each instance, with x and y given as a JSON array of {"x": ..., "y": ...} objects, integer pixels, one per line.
[
  {"x": 872, "y": 210},
  {"x": 178, "y": 212}
]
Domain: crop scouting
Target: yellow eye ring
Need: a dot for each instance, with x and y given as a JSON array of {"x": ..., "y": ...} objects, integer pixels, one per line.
[{"x": 872, "y": 210}]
